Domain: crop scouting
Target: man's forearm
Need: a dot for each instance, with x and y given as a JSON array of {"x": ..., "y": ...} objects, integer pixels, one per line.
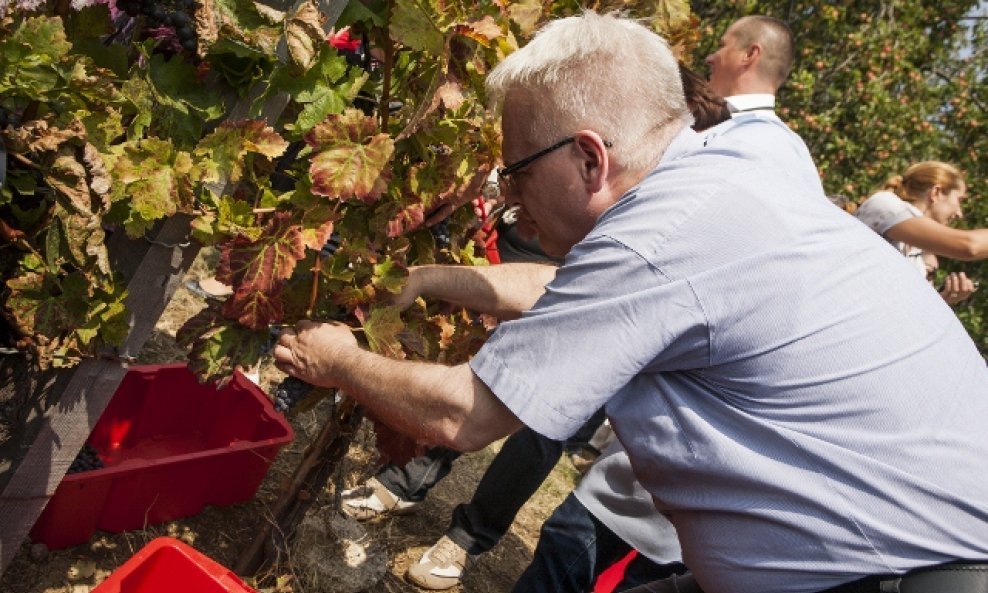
[
  {"x": 438, "y": 404},
  {"x": 504, "y": 290}
]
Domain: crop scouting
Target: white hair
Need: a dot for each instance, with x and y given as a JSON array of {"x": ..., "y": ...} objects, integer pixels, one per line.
[{"x": 601, "y": 72}]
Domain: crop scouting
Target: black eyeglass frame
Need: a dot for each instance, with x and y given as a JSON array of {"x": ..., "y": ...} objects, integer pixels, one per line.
[{"x": 509, "y": 170}]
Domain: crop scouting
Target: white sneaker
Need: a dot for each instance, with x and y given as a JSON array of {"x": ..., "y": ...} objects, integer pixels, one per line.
[
  {"x": 372, "y": 500},
  {"x": 441, "y": 567}
]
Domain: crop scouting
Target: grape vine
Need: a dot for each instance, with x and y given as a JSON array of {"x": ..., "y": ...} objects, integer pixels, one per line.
[{"x": 115, "y": 118}]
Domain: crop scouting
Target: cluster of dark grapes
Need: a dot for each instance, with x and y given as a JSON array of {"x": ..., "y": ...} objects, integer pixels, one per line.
[
  {"x": 175, "y": 14},
  {"x": 331, "y": 245},
  {"x": 87, "y": 459},
  {"x": 440, "y": 232},
  {"x": 289, "y": 392}
]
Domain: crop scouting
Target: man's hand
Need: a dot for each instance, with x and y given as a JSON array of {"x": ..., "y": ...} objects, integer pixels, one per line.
[
  {"x": 314, "y": 351},
  {"x": 957, "y": 287}
]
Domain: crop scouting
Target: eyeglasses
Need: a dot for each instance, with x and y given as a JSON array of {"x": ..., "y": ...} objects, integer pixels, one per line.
[{"x": 505, "y": 172}]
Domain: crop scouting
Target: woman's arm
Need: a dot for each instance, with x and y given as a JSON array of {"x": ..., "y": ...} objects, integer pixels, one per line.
[
  {"x": 504, "y": 290},
  {"x": 929, "y": 235}
]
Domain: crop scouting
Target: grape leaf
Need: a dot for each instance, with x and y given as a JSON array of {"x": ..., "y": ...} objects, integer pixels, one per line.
[
  {"x": 394, "y": 447},
  {"x": 223, "y": 151},
  {"x": 254, "y": 308},
  {"x": 483, "y": 31},
  {"x": 381, "y": 327},
  {"x": 409, "y": 219},
  {"x": 390, "y": 276},
  {"x": 28, "y": 57},
  {"x": 215, "y": 354},
  {"x": 304, "y": 35},
  {"x": 527, "y": 14},
  {"x": 151, "y": 181},
  {"x": 263, "y": 264},
  {"x": 182, "y": 105},
  {"x": 350, "y": 158},
  {"x": 414, "y": 28}
]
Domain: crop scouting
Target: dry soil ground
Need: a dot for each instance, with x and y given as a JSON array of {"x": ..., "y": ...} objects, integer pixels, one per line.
[{"x": 223, "y": 533}]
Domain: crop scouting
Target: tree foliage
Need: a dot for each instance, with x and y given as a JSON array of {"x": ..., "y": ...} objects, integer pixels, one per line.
[{"x": 879, "y": 85}]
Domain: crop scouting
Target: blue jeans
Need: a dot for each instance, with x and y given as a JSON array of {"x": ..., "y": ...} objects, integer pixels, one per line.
[
  {"x": 515, "y": 473},
  {"x": 575, "y": 547}
]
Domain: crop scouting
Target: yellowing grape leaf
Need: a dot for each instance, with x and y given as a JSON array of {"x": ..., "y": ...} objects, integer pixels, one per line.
[
  {"x": 223, "y": 151},
  {"x": 381, "y": 327},
  {"x": 350, "y": 159},
  {"x": 263, "y": 264},
  {"x": 304, "y": 35},
  {"x": 151, "y": 180},
  {"x": 527, "y": 14},
  {"x": 482, "y": 31}
]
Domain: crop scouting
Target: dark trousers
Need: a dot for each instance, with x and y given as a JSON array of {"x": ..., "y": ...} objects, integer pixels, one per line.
[
  {"x": 515, "y": 473},
  {"x": 575, "y": 547}
]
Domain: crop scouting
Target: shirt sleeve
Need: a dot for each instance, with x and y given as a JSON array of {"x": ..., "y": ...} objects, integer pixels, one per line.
[
  {"x": 883, "y": 211},
  {"x": 607, "y": 316}
]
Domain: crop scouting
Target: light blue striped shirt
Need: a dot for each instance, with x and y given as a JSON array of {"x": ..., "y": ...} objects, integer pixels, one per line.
[{"x": 803, "y": 405}]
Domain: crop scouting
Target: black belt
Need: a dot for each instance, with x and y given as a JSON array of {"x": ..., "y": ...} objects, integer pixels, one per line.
[{"x": 953, "y": 577}]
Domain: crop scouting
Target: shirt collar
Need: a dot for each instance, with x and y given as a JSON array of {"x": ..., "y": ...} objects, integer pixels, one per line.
[{"x": 750, "y": 102}]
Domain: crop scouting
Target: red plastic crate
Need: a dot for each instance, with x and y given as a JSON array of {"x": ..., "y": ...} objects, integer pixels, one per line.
[
  {"x": 170, "y": 446},
  {"x": 166, "y": 565}
]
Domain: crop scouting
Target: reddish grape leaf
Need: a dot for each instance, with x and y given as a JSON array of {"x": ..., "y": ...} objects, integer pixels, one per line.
[
  {"x": 393, "y": 446},
  {"x": 409, "y": 219},
  {"x": 263, "y": 264},
  {"x": 254, "y": 308}
]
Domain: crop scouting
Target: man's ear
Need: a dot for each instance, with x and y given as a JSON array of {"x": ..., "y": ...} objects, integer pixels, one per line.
[
  {"x": 594, "y": 164},
  {"x": 752, "y": 54}
]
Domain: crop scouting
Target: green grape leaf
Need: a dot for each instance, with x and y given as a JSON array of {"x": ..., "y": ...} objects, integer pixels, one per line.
[
  {"x": 140, "y": 96},
  {"x": 361, "y": 11},
  {"x": 182, "y": 105},
  {"x": 223, "y": 151},
  {"x": 254, "y": 308},
  {"x": 390, "y": 276},
  {"x": 215, "y": 354},
  {"x": 38, "y": 309},
  {"x": 263, "y": 264},
  {"x": 349, "y": 157},
  {"x": 381, "y": 327},
  {"x": 414, "y": 28},
  {"x": 30, "y": 55}
]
